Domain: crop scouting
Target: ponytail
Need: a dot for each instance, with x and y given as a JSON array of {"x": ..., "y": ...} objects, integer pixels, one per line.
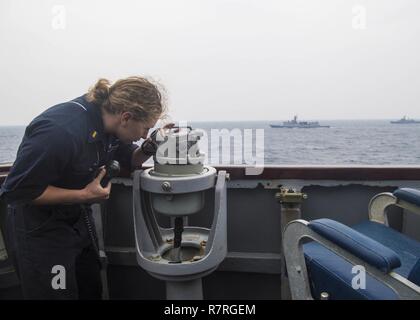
[{"x": 99, "y": 93}]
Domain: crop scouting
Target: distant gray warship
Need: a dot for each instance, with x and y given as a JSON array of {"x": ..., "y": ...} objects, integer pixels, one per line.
[
  {"x": 298, "y": 124},
  {"x": 405, "y": 120}
]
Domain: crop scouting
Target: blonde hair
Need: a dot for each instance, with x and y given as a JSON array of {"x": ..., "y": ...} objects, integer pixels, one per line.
[{"x": 136, "y": 95}]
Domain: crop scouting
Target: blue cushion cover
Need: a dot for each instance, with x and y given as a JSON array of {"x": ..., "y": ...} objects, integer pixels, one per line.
[
  {"x": 407, "y": 249},
  {"x": 356, "y": 243},
  {"x": 408, "y": 194},
  {"x": 329, "y": 272}
]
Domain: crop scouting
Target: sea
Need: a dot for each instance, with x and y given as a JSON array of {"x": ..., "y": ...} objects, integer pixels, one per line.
[{"x": 345, "y": 142}]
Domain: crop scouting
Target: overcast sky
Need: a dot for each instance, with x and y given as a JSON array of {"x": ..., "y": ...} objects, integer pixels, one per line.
[{"x": 218, "y": 60}]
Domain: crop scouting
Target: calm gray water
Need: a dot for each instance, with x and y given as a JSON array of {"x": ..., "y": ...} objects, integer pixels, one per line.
[{"x": 373, "y": 142}]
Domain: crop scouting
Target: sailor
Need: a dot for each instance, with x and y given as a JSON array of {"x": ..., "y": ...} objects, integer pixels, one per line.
[{"x": 55, "y": 178}]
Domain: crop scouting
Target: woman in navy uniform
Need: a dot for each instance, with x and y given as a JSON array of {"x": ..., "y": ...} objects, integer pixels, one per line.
[{"x": 55, "y": 177}]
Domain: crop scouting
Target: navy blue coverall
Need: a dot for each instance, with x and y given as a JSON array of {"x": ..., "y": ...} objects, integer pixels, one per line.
[{"x": 62, "y": 147}]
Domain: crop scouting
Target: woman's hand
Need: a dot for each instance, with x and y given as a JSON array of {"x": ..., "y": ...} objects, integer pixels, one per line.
[
  {"x": 150, "y": 145},
  {"x": 94, "y": 191},
  {"x": 165, "y": 127}
]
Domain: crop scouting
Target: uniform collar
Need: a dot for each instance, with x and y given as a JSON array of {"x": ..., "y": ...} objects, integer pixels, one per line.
[{"x": 96, "y": 130}]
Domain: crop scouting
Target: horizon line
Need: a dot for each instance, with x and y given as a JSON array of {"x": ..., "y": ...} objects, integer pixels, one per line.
[{"x": 248, "y": 120}]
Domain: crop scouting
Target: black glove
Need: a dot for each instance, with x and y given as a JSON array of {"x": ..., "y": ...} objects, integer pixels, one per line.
[
  {"x": 112, "y": 170},
  {"x": 150, "y": 146}
]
